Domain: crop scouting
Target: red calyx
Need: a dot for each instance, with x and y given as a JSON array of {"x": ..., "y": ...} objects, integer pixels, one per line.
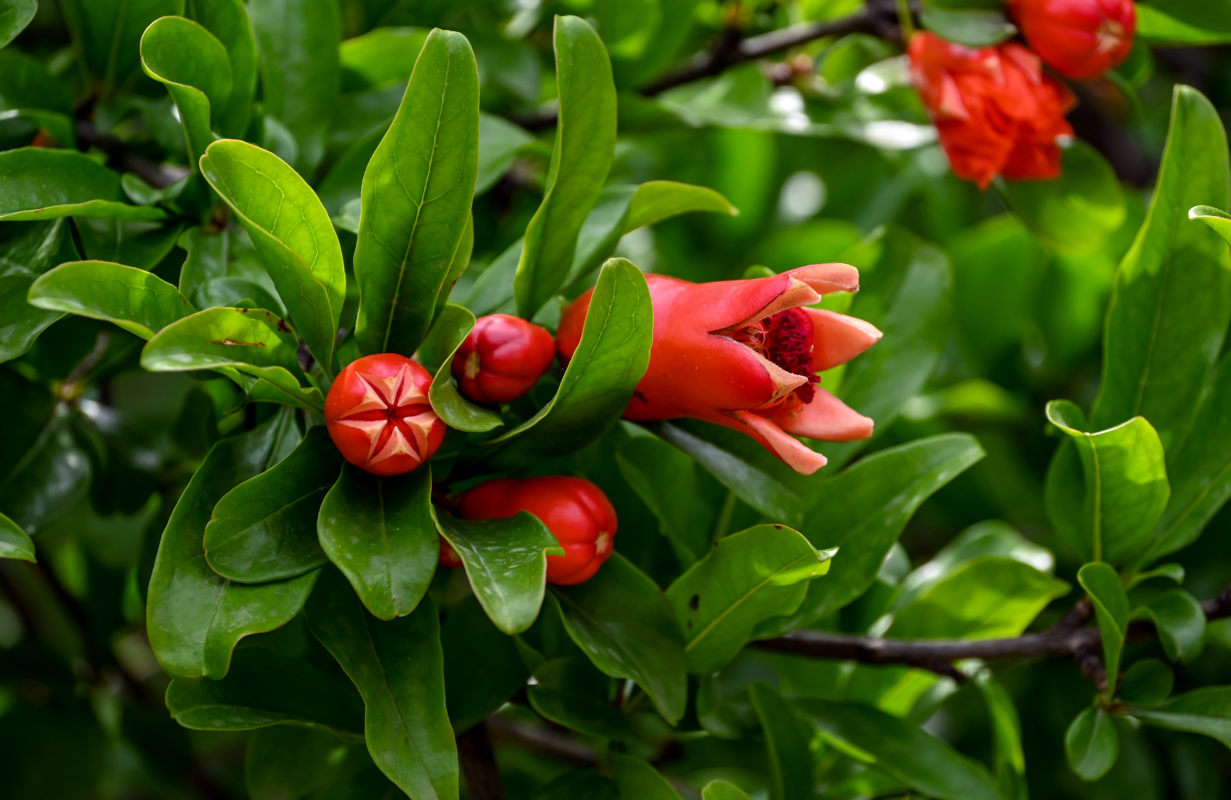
[
  {"x": 1078, "y": 38},
  {"x": 502, "y": 358},
  {"x": 576, "y": 512},
  {"x": 379, "y": 417}
]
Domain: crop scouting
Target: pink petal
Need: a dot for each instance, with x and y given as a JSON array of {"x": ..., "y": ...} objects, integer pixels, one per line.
[
  {"x": 827, "y": 278},
  {"x": 793, "y": 452},
  {"x": 838, "y": 338},
  {"x": 826, "y": 418}
]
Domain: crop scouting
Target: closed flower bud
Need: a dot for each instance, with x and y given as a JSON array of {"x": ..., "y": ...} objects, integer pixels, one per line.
[
  {"x": 502, "y": 358},
  {"x": 1077, "y": 38}
]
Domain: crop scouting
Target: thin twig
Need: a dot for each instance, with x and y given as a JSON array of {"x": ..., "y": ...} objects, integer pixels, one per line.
[{"x": 478, "y": 762}]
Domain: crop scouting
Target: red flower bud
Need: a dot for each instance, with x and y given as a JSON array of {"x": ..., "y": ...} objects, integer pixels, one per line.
[
  {"x": 995, "y": 110},
  {"x": 378, "y": 414},
  {"x": 502, "y": 358},
  {"x": 576, "y": 512},
  {"x": 448, "y": 556},
  {"x": 744, "y": 354},
  {"x": 1077, "y": 38}
]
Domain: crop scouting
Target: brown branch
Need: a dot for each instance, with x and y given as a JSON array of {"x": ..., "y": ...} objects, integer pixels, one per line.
[{"x": 478, "y": 762}]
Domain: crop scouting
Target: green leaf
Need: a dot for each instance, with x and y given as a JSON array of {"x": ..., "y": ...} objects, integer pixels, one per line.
[
  {"x": 747, "y": 578},
  {"x": 265, "y": 528},
  {"x": 655, "y": 201},
  {"x": 286, "y": 762},
  {"x": 14, "y": 542},
  {"x": 572, "y": 693},
  {"x": 223, "y": 269},
  {"x": 971, "y": 27},
  {"x": 499, "y": 143},
  {"x": 585, "y": 145},
  {"x": 901, "y": 749},
  {"x": 379, "y": 532},
  {"x": 787, "y": 742},
  {"x": 1107, "y": 507},
  {"x": 1218, "y": 220},
  {"x": 627, "y": 628},
  {"x": 1180, "y": 621},
  {"x": 506, "y": 561},
  {"x": 722, "y": 790},
  {"x": 298, "y": 43},
  {"x": 138, "y": 301},
  {"x": 1092, "y": 744},
  {"x": 417, "y": 191},
  {"x": 299, "y": 247},
  {"x": 668, "y": 483},
  {"x": 253, "y": 341},
  {"x": 610, "y": 359},
  {"x": 195, "y": 617},
  {"x": 483, "y": 667},
  {"x": 194, "y": 67},
  {"x": 107, "y": 33},
  {"x": 265, "y": 688},
  {"x": 863, "y": 510},
  {"x": 1206, "y": 711},
  {"x": 1172, "y": 301},
  {"x": 1010, "y": 760},
  {"x": 1147, "y": 682},
  {"x": 43, "y": 467},
  {"x": 20, "y": 322},
  {"x": 380, "y": 57},
  {"x": 1075, "y": 212},
  {"x": 453, "y": 325},
  {"x": 14, "y": 17},
  {"x": 49, "y": 184},
  {"x": 1111, "y": 609},
  {"x": 398, "y": 668},
  {"x": 635, "y": 778},
  {"x": 227, "y": 20},
  {"x": 1182, "y": 22}
]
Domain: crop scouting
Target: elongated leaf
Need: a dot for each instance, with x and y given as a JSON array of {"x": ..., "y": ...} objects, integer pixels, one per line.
[
  {"x": 866, "y": 507},
  {"x": 585, "y": 145},
  {"x": 1172, "y": 301},
  {"x": 379, "y": 532},
  {"x": 15, "y": 15},
  {"x": 223, "y": 269},
  {"x": 483, "y": 667},
  {"x": 49, "y": 184},
  {"x": 1077, "y": 211},
  {"x": 1181, "y": 22},
  {"x": 289, "y": 762},
  {"x": 227, "y": 20},
  {"x": 572, "y": 693},
  {"x": 14, "y": 542},
  {"x": 655, "y": 201},
  {"x": 1147, "y": 682},
  {"x": 627, "y": 628},
  {"x": 193, "y": 65},
  {"x": 1107, "y": 506},
  {"x": 397, "y": 668},
  {"x": 787, "y": 740},
  {"x": 499, "y": 143},
  {"x": 973, "y": 27},
  {"x": 635, "y": 778},
  {"x": 610, "y": 359},
  {"x": 194, "y": 617},
  {"x": 265, "y": 528},
  {"x": 667, "y": 481},
  {"x": 137, "y": 301},
  {"x": 1180, "y": 621},
  {"x": 901, "y": 749},
  {"x": 1092, "y": 744},
  {"x": 722, "y": 790},
  {"x": 107, "y": 33},
  {"x": 417, "y": 191},
  {"x": 747, "y": 578},
  {"x": 1111, "y": 608},
  {"x": 506, "y": 561},
  {"x": 453, "y": 325},
  {"x": 266, "y": 688},
  {"x": 43, "y": 466},
  {"x": 254, "y": 341},
  {"x": 1206, "y": 711},
  {"x": 20, "y": 321},
  {"x": 291, "y": 232},
  {"x": 1010, "y": 760}
]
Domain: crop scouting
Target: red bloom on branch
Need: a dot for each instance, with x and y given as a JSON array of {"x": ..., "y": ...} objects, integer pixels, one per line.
[
  {"x": 502, "y": 358},
  {"x": 1077, "y": 38},
  {"x": 995, "y": 110},
  {"x": 378, "y": 415},
  {"x": 576, "y": 512},
  {"x": 744, "y": 354}
]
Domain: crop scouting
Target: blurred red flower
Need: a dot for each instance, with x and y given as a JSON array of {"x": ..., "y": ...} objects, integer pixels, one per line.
[{"x": 1077, "y": 38}]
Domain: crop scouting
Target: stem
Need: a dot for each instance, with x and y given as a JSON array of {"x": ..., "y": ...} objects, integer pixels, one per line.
[{"x": 474, "y": 750}]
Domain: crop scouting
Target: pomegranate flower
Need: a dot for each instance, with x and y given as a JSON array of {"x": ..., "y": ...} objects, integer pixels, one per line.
[
  {"x": 1078, "y": 38},
  {"x": 744, "y": 354}
]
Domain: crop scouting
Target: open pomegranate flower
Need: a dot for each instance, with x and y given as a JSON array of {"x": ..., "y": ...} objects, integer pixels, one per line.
[
  {"x": 378, "y": 414},
  {"x": 745, "y": 353}
]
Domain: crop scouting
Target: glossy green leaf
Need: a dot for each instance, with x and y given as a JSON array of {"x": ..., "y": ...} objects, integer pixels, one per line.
[
  {"x": 193, "y": 65},
  {"x": 1182, "y": 22},
  {"x": 20, "y": 322},
  {"x": 194, "y": 616},
  {"x": 416, "y": 198},
  {"x": 1009, "y": 758},
  {"x": 747, "y": 578},
  {"x": 1206, "y": 711},
  {"x": 380, "y": 57},
  {"x": 973, "y": 27},
  {"x": 787, "y": 741},
  {"x": 265, "y": 528},
  {"x": 299, "y": 247},
  {"x": 1111, "y": 609},
  {"x": 667, "y": 481},
  {"x": 863, "y": 510},
  {"x": 223, "y": 269},
  {"x": 585, "y": 144},
  {"x": 288, "y": 762},
  {"x": 1147, "y": 682},
  {"x": 572, "y": 693},
  {"x": 483, "y": 666},
  {"x": 499, "y": 143},
  {"x": 635, "y": 778},
  {"x": 453, "y": 325},
  {"x": 506, "y": 561},
  {"x": 228, "y": 21},
  {"x": 627, "y": 628},
  {"x": 609, "y": 361},
  {"x": 298, "y": 44},
  {"x": 44, "y": 467},
  {"x": 253, "y": 341},
  {"x": 397, "y": 668},
  {"x": 1180, "y": 621},
  {"x": 264, "y": 688},
  {"x": 1077, "y": 211},
  {"x": 15, "y": 15},
  {"x": 1092, "y": 744},
  {"x": 1172, "y": 301},
  {"x": 107, "y": 33},
  {"x": 134, "y": 243},
  {"x": 14, "y": 542},
  {"x": 137, "y": 301},
  {"x": 900, "y": 748},
  {"x": 722, "y": 790},
  {"x": 655, "y": 201},
  {"x": 48, "y": 184},
  {"x": 379, "y": 532}
]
